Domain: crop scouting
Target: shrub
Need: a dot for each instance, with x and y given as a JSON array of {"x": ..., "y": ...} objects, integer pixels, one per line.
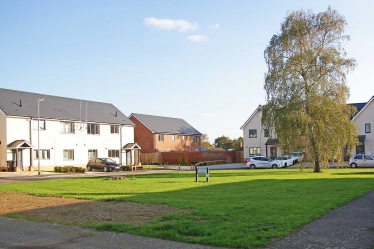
[
  {"x": 125, "y": 167},
  {"x": 67, "y": 169}
]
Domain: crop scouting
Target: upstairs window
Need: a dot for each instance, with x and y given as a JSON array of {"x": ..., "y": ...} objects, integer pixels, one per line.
[
  {"x": 41, "y": 124},
  {"x": 253, "y": 133},
  {"x": 194, "y": 139},
  {"x": 367, "y": 128},
  {"x": 183, "y": 138},
  {"x": 173, "y": 137},
  {"x": 66, "y": 127},
  {"x": 114, "y": 129},
  {"x": 161, "y": 137},
  {"x": 93, "y": 129},
  {"x": 266, "y": 132}
]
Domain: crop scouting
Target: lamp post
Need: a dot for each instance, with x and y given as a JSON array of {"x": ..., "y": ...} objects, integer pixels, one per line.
[{"x": 39, "y": 100}]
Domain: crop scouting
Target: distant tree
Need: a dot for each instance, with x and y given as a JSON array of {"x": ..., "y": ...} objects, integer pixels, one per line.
[
  {"x": 205, "y": 142},
  {"x": 306, "y": 86},
  {"x": 223, "y": 142},
  {"x": 237, "y": 143}
]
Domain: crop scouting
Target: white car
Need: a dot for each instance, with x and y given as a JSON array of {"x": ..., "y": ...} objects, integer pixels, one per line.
[
  {"x": 297, "y": 157},
  {"x": 285, "y": 160},
  {"x": 262, "y": 162},
  {"x": 361, "y": 160}
]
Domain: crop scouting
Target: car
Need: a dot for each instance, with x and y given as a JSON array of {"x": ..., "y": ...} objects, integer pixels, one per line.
[
  {"x": 285, "y": 160},
  {"x": 361, "y": 160},
  {"x": 254, "y": 162},
  {"x": 104, "y": 164},
  {"x": 297, "y": 157}
]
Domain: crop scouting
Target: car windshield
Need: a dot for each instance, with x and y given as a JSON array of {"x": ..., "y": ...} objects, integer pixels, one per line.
[
  {"x": 108, "y": 160},
  {"x": 296, "y": 153}
]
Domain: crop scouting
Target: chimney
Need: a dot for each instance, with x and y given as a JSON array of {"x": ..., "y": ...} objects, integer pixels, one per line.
[{"x": 240, "y": 144}]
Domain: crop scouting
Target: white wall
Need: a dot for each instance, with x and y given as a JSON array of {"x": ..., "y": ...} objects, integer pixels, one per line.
[
  {"x": 51, "y": 138},
  {"x": 254, "y": 123},
  {"x": 366, "y": 117}
]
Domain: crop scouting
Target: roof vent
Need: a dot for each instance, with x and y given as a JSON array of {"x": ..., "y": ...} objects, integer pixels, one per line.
[
  {"x": 20, "y": 103},
  {"x": 116, "y": 114}
]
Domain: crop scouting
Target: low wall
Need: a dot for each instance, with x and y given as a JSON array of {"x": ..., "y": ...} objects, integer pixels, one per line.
[{"x": 191, "y": 156}]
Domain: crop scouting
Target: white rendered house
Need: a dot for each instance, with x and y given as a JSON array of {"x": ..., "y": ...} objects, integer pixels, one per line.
[{"x": 71, "y": 131}]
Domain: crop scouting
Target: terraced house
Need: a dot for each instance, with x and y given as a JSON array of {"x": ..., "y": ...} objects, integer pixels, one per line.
[{"x": 71, "y": 131}]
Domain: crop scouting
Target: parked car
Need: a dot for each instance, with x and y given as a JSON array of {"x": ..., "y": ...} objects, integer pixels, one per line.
[
  {"x": 297, "y": 157},
  {"x": 361, "y": 160},
  {"x": 105, "y": 164},
  {"x": 262, "y": 162},
  {"x": 285, "y": 160}
]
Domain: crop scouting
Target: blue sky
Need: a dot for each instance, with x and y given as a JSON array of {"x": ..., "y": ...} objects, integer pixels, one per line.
[{"x": 201, "y": 61}]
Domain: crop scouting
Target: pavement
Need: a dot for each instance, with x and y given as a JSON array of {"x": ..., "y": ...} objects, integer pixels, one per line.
[{"x": 350, "y": 226}]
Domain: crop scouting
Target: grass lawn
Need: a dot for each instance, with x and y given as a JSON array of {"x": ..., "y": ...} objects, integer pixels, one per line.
[{"x": 237, "y": 208}]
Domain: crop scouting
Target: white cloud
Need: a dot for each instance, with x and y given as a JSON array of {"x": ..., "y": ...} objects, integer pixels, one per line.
[
  {"x": 216, "y": 26},
  {"x": 168, "y": 24},
  {"x": 197, "y": 38}
]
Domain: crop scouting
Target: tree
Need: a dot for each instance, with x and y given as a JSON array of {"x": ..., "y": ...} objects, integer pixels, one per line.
[
  {"x": 223, "y": 142},
  {"x": 236, "y": 143},
  {"x": 205, "y": 142},
  {"x": 306, "y": 87}
]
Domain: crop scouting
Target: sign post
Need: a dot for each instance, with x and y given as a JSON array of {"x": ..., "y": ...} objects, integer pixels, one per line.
[{"x": 202, "y": 171}]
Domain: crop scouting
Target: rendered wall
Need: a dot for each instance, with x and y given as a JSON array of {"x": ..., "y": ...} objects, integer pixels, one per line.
[
  {"x": 366, "y": 117},
  {"x": 3, "y": 140}
]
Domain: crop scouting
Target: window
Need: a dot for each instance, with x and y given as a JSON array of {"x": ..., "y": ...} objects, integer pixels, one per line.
[
  {"x": 194, "y": 139},
  {"x": 173, "y": 137},
  {"x": 66, "y": 127},
  {"x": 93, "y": 129},
  {"x": 255, "y": 151},
  {"x": 113, "y": 153},
  {"x": 183, "y": 138},
  {"x": 92, "y": 154},
  {"x": 161, "y": 137},
  {"x": 266, "y": 132},
  {"x": 41, "y": 124},
  {"x": 44, "y": 154},
  {"x": 68, "y": 155},
  {"x": 367, "y": 128},
  {"x": 368, "y": 157},
  {"x": 114, "y": 129},
  {"x": 253, "y": 133}
]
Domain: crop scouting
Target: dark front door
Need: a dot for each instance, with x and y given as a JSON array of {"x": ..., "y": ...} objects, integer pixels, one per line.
[
  {"x": 273, "y": 152},
  {"x": 360, "y": 149}
]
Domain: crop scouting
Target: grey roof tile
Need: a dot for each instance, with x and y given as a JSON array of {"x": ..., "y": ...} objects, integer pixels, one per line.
[
  {"x": 25, "y": 104},
  {"x": 166, "y": 125}
]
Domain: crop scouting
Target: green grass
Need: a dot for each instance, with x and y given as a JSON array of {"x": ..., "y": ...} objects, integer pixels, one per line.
[{"x": 241, "y": 208}]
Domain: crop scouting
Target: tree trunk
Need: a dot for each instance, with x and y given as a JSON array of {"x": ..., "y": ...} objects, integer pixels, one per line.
[{"x": 317, "y": 168}]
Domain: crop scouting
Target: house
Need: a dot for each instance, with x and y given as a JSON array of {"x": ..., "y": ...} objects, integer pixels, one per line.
[
  {"x": 256, "y": 141},
  {"x": 71, "y": 131},
  {"x": 363, "y": 120},
  {"x": 162, "y": 134}
]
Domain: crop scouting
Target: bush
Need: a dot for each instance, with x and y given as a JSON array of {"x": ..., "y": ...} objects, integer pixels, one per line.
[
  {"x": 67, "y": 169},
  {"x": 125, "y": 168}
]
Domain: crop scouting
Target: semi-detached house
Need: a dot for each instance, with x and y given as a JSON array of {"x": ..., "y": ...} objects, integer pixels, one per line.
[{"x": 71, "y": 131}]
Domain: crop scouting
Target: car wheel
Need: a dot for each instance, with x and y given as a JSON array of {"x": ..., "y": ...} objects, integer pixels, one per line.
[
  {"x": 89, "y": 168},
  {"x": 353, "y": 165},
  {"x": 252, "y": 166},
  {"x": 274, "y": 166},
  {"x": 105, "y": 169},
  {"x": 285, "y": 165}
]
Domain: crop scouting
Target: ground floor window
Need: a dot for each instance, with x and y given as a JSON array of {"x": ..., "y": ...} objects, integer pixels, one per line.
[
  {"x": 44, "y": 154},
  {"x": 92, "y": 154},
  {"x": 113, "y": 153},
  {"x": 254, "y": 151},
  {"x": 68, "y": 155}
]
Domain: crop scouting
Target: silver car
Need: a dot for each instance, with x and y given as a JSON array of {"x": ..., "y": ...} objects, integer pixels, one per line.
[
  {"x": 285, "y": 160},
  {"x": 361, "y": 160},
  {"x": 262, "y": 162}
]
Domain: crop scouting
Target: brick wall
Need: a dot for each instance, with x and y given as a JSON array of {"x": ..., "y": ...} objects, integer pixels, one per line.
[{"x": 143, "y": 136}]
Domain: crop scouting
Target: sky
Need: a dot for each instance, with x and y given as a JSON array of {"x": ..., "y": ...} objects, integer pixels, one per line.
[{"x": 201, "y": 61}]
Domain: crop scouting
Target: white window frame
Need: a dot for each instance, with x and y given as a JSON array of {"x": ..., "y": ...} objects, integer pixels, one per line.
[
  {"x": 41, "y": 124},
  {"x": 93, "y": 129},
  {"x": 92, "y": 153},
  {"x": 113, "y": 153},
  {"x": 160, "y": 137},
  {"x": 114, "y": 129},
  {"x": 45, "y": 154},
  {"x": 68, "y": 155},
  {"x": 194, "y": 139},
  {"x": 67, "y": 127},
  {"x": 367, "y": 128},
  {"x": 173, "y": 137},
  {"x": 252, "y": 135},
  {"x": 184, "y": 138},
  {"x": 255, "y": 151}
]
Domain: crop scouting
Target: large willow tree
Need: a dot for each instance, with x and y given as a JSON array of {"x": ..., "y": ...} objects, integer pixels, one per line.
[{"x": 306, "y": 86}]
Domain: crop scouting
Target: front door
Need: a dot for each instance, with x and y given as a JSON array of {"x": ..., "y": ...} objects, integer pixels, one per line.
[
  {"x": 273, "y": 152},
  {"x": 360, "y": 149}
]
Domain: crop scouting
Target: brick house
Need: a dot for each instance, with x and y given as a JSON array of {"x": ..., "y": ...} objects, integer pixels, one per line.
[{"x": 161, "y": 134}]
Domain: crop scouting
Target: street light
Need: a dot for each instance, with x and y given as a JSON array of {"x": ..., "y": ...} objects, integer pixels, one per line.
[{"x": 39, "y": 100}]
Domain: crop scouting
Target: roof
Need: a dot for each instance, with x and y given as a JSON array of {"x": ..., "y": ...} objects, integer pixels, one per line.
[
  {"x": 158, "y": 124},
  {"x": 25, "y": 104},
  {"x": 272, "y": 141},
  {"x": 361, "y": 107},
  {"x": 361, "y": 138},
  {"x": 250, "y": 117},
  {"x": 16, "y": 144},
  {"x": 131, "y": 146}
]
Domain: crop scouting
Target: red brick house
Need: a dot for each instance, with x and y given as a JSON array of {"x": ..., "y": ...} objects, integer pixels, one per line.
[{"x": 160, "y": 134}]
